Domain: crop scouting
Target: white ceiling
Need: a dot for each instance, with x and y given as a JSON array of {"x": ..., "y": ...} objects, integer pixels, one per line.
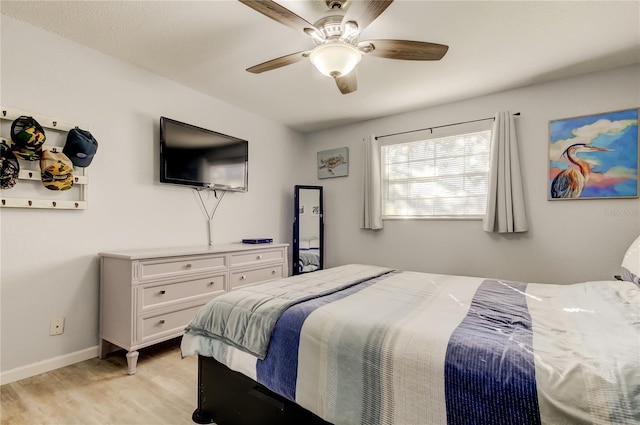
[{"x": 207, "y": 45}]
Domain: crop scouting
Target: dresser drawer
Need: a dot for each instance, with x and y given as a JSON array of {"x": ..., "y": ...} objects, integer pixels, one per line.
[
  {"x": 157, "y": 295},
  {"x": 246, "y": 277},
  {"x": 167, "y": 268},
  {"x": 258, "y": 256},
  {"x": 167, "y": 323}
]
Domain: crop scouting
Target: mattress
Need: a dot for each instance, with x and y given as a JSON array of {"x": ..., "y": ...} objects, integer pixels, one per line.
[{"x": 400, "y": 347}]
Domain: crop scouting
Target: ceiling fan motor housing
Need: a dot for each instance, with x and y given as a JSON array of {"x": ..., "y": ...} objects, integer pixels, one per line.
[{"x": 331, "y": 28}]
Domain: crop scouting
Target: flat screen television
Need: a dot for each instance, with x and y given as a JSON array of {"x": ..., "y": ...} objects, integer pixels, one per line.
[{"x": 197, "y": 157}]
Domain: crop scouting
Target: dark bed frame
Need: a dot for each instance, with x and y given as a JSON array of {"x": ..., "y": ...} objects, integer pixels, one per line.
[{"x": 227, "y": 397}]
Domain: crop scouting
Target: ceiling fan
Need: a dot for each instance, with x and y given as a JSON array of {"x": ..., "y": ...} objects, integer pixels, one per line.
[{"x": 337, "y": 36}]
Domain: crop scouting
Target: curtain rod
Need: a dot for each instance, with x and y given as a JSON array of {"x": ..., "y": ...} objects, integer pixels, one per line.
[{"x": 439, "y": 126}]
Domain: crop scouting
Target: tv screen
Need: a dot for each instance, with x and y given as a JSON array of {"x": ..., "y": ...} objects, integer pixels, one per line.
[{"x": 198, "y": 157}]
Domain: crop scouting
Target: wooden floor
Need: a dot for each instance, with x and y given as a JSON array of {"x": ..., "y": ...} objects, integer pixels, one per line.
[{"x": 163, "y": 391}]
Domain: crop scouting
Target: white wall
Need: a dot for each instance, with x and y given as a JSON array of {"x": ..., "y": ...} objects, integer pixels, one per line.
[
  {"x": 568, "y": 241},
  {"x": 49, "y": 263}
]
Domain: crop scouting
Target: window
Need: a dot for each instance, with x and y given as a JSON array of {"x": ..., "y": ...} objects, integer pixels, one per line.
[{"x": 434, "y": 178}]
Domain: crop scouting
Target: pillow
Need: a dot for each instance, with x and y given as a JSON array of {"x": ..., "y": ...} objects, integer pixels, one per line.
[{"x": 631, "y": 263}]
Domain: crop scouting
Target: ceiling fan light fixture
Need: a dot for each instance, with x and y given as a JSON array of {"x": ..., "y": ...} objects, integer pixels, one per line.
[{"x": 335, "y": 58}]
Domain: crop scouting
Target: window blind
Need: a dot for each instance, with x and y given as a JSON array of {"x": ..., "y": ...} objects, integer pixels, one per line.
[{"x": 439, "y": 177}]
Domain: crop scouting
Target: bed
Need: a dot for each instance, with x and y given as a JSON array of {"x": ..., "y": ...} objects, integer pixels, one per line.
[{"x": 361, "y": 344}]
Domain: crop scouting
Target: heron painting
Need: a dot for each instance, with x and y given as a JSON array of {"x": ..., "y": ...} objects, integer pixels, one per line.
[{"x": 594, "y": 156}]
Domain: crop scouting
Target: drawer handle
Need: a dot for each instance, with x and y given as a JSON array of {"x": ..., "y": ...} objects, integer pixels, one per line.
[
  {"x": 260, "y": 257},
  {"x": 212, "y": 283},
  {"x": 163, "y": 292},
  {"x": 243, "y": 277},
  {"x": 188, "y": 266},
  {"x": 273, "y": 271},
  {"x": 161, "y": 321}
]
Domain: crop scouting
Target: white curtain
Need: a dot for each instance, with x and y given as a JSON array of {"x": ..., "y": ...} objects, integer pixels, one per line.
[
  {"x": 372, "y": 199},
  {"x": 505, "y": 201}
]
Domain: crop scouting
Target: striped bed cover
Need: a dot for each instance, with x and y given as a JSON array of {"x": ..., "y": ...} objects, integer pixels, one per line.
[{"x": 411, "y": 348}]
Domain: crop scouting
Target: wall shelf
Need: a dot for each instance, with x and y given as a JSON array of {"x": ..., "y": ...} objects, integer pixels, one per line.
[
  {"x": 37, "y": 196},
  {"x": 42, "y": 203},
  {"x": 46, "y": 122}
]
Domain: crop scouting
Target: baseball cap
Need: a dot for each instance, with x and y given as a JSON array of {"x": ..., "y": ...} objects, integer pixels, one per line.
[
  {"x": 56, "y": 170},
  {"x": 9, "y": 168},
  {"x": 27, "y": 136},
  {"x": 80, "y": 147}
]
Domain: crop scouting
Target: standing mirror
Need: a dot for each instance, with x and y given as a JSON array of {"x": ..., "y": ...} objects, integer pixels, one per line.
[{"x": 308, "y": 230}]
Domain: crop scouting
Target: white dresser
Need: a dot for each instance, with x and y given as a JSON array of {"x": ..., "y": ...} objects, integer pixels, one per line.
[{"x": 149, "y": 296}]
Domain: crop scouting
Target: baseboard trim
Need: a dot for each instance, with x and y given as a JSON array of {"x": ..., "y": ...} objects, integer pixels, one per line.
[{"x": 43, "y": 366}]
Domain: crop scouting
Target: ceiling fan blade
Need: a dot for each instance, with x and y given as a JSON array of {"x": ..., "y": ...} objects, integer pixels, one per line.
[
  {"x": 347, "y": 83},
  {"x": 278, "y": 13},
  {"x": 363, "y": 12},
  {"x": 278, "y": 62},
  {"x": 404, "y": 49}
]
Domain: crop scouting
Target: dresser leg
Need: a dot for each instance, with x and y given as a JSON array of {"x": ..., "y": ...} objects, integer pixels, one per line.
[{"x": 132, "y": 361}]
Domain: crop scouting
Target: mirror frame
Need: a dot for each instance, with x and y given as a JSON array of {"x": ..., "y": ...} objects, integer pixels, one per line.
[{"x": 296, "y": 227}]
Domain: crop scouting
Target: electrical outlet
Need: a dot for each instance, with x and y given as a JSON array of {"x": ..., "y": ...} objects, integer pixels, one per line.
[{"x": 56, "y": 326}]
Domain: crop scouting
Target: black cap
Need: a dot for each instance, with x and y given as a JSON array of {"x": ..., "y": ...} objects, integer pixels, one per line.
[{"x": 80, "y": 147}]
